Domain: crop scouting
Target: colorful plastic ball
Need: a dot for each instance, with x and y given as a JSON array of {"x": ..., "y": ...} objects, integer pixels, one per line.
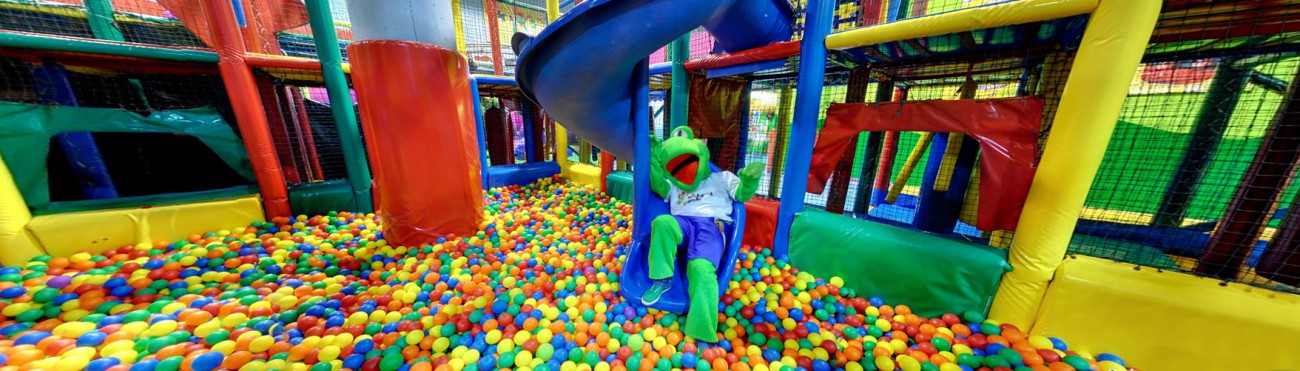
[
  {"x": 1059, "y": 344},
  {"x": 207, "y": 361},
  {"x": 102, "y": 364},
  {"x": 535, "y": 287},
  {"x": 1103, "y": 357}
]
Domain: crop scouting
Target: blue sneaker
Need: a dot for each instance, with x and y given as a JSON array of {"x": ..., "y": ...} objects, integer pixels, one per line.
[{"x": 656, "y": 291}]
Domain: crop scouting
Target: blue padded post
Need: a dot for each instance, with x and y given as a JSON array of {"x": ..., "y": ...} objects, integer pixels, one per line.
[
  {"x": 239, "y": 13},
  {"x": 482, "y": 137},
  {"x": 83, "y": 155},
  {"x": 641, "y": 216},
  {"x": 803, "y": 128},
  {"x": 526, "y": 108}
]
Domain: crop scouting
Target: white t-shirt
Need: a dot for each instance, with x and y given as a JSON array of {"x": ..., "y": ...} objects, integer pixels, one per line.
[{"x": 712, "y": 199}]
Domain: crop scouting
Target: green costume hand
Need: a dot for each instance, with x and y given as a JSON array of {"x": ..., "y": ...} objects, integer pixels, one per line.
[
  {"x": 750, "y": 177},
  {"x": 657, "y": 182}
]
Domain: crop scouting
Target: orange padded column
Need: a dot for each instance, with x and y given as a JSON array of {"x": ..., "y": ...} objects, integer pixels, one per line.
[
  {"x": 415, "y": 108},
  {"x": 249, "y": 113}
]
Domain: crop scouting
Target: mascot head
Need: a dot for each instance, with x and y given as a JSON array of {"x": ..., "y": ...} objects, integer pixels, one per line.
[{"x": 685, "y": 159}]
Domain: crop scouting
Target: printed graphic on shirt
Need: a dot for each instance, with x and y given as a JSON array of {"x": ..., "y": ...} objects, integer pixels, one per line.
[
  {"x": 684, "y": 198},
  {"x": 712, "y": 199}
]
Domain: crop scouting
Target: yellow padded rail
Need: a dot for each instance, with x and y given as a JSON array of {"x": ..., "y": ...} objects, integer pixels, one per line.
[
  {"x": 99, "y": 230},
  {"x": 997, "y": 15}
]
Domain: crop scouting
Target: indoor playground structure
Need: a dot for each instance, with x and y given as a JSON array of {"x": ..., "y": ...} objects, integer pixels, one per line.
[{"x": 418, "y": 185}]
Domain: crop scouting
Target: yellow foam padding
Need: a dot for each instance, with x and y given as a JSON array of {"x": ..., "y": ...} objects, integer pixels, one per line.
[
  {"x": 67, "y": 233},
  {"x": 16, "y": 244},
  {"x": 1166, "y": 321},
  {"x": 583, "y": 174},
  {"x": 294, "y": 74},
  {"x": 969, "y": 19},
  {"x": 1127, "y": 217},
  {"x": 1111, "y": 49},
  {"x": 1139, "y": 218}
]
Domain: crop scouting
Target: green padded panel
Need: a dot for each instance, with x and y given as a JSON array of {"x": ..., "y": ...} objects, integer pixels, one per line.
[
  {"x": 931, "y": 274},
  {"x": 321, "y": 198}
]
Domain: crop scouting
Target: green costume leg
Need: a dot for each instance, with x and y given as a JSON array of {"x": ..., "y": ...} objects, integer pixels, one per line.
[
  {"x": 665, "y": 236},
  {"x": 702, "y": 320}
]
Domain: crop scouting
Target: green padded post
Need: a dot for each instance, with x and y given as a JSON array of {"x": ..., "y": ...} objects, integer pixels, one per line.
[
  {"x": 100, "y": 16},
  {"x": 345, "y": 119},
  {"x": 99, "y": 13},
  {"x": 679, "y": 51}
]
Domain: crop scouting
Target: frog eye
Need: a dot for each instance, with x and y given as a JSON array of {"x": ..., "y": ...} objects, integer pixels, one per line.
[{"x": 683, "y": 132}]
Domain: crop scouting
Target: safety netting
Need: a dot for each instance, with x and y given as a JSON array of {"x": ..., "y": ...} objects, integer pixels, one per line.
[{"x": 1199, "y": 175}]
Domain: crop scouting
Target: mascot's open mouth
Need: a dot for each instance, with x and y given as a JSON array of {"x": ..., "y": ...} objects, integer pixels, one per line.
[{"x": 684, "y": 168}]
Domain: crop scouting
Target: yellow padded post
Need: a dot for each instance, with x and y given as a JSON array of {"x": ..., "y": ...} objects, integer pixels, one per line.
[
  {"x": 1107, "y": 59},
  {"x": 459, "y": 25},
  {"x": 562, "y": 135},
  {"x": 949, "y": 162},
  {"x": 909, "y": 166}
]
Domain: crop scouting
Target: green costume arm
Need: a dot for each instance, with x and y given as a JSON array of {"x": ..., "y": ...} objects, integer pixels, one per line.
[
  {"x": 657, "y": 182},
  {"x": 749, "y": 180}
]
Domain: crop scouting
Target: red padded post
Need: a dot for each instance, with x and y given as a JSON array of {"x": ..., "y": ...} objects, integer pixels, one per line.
[
  {"x": 415, "y": 101},
  {"x": 251, "y": 118}
]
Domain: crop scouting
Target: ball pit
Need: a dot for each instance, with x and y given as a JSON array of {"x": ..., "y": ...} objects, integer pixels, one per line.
[{"x": 536, "y": 288}]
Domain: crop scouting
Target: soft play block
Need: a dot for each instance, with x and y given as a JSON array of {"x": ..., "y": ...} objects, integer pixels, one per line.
[
  {"x": 931, "y": 274},
  {"x": 761, "y": 222},
  {"x": 1167, "y": 321},
  {"x": 619, "y": 185},
  {"x": 521, "y": 174},
  {"x": 67, "y": 233},
  {"x": 583, "y": 174}
]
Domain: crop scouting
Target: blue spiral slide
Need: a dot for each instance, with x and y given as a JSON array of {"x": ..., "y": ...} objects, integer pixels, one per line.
[{"x": 582, "y": 69}]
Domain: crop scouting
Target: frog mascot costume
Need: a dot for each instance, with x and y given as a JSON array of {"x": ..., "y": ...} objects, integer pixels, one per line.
[{"x": 700, "y": 201}]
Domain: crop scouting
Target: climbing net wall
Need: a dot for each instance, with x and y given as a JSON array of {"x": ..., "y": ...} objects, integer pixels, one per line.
[
  {"x": 486, "y": 27},
  {"x": 81, "y": 133},
  {"x": 141, "y": 21},
  {"x": 884, "y": 175},
  {"x": 302, "y": 125},
  {"x": 1199, "y": 175},
  {"x": 513, "y": 124}
]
